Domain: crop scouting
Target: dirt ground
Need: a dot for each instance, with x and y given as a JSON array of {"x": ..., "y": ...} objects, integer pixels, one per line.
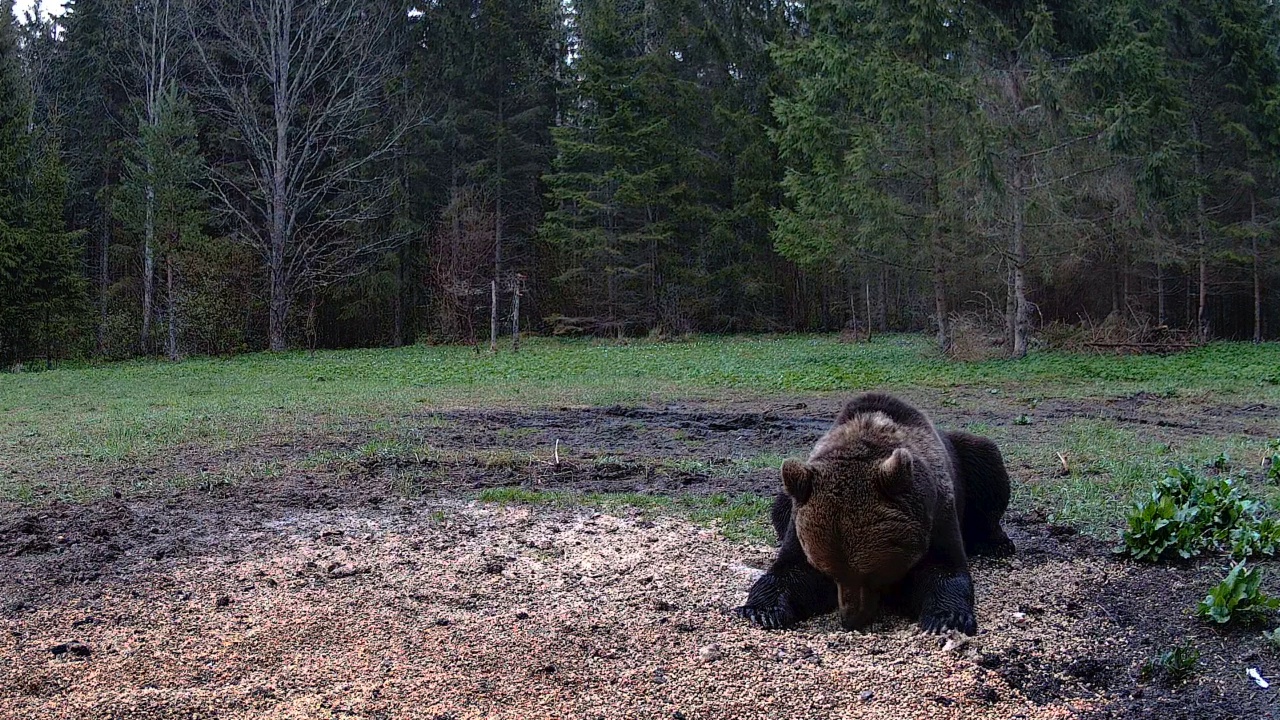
[{"x": 379, "y": 588}]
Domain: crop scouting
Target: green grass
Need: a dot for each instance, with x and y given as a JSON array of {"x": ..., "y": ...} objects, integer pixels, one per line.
[
  {"x": 122, "y": 414},
  {"x": 737, "y": 517},
  {"x": 1111, "y": 466},
  {"x": 135, "y": 409}
]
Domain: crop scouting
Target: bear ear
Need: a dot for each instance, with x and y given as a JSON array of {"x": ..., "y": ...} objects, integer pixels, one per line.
[
  {"x": 797, "y": 480},
  {"x": 895, "y": 471}
]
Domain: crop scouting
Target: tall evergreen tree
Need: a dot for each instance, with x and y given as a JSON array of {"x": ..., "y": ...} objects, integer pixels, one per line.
[
  {"x": 161, "y": 195},
  {"x": 93, "y": 105},
  {"x": 873, "y": 134}
]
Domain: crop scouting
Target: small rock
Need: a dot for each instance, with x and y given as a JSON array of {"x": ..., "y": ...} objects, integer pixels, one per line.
[
  {"x": 866, "y": 696},
  {"x": 943, "y": 700},
  {"x": 990, "y": 661},
  {"x": 663, "y": 605},
  {"x": 710, "y": 653},
  {"x": 659, "y": 675},
  {"x": 346, "y": 571},
  {"x": 984, "y": 693},
  {"x": 442, "y": 622},
  {"x": 75, "y": 648},
  {"x": 222, "y": 601},
  {"x": 956, "y": 642},
  {"x": 677, "y": 715},
  {"x": 522, "y": 615}
]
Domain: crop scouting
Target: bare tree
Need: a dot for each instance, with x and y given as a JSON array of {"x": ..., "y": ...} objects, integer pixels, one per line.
[
  {"x": 299, "y": 84},
  {"x": 154, "y": 32}
]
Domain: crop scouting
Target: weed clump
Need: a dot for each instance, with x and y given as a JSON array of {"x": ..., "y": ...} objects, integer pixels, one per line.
[
  {"x": 1238, "y": 598},
  {"x": 1187, "y": 514},
  {"x": 1172, "y": 666}
]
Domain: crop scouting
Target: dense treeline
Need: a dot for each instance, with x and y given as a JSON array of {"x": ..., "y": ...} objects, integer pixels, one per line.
[{"x": 191, "y": 176}]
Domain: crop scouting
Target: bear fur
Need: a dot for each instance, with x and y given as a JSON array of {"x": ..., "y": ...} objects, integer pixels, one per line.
[{"x": 886, "y": 511}]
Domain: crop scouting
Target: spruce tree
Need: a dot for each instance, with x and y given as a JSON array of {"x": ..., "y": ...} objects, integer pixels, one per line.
[
  {"x": 873, "y": 130},
  {"x": 161, "y": 189}
]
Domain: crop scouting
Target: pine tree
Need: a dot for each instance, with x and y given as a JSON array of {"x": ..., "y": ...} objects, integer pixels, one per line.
[{"x": 52, "y": 282}]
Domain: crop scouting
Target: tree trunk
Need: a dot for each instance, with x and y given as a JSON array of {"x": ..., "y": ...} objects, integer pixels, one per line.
[
  {"x": 1162, "y": 317},
  {"x": 882, "y": 309},
  {"x": 1022, "y": 308},
  {"x": 1010, "y": 306},
  {"x": 493, "y": 316},
  {"x": 515, "y": 315},
  {"x": 866, "y": 286},
  {"x": 497, "y": 220},
  {"x": 279, "y": 38},
  {"x": 104, "y": 278},
  {"x": 1202, "y": 308},
  {"x": 1257, "y": 272},
  {"x": 937, "y": 244},
  {"x": 171, "y": 346},
  {"x": 397, "y": 339},
  {"x": 148, "y": 268}
]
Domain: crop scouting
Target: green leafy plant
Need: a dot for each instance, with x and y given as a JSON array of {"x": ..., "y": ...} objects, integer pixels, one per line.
[
  {"x": 1271, "y": 463},
  {"x": 1238, "y": 598},
  {"x": 1221, "y": 462},
  {"x": 1161, "y": 528},
  {"x": 1187, "y": 514},
  {"x": 1260, "y": 539},
  {"x": 1272, "y": 637},
  {"x": 1173, "y": 666}
]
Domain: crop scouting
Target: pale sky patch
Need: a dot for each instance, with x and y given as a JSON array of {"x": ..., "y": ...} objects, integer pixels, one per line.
[{"x": 22, "y": 7}]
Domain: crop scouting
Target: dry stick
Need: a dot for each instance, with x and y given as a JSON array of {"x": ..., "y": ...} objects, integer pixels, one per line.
[{"x": 1066, "y": 469}]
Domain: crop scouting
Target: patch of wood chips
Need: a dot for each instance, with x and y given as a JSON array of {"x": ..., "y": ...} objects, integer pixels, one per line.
[{"x": 453, "y": 610}]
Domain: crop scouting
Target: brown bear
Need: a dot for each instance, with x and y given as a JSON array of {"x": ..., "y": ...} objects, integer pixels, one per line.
[{"x": 885, "y": 511}]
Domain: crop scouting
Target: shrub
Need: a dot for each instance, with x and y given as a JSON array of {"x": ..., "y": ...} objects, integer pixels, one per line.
[
  {"x": 1187, "y": 514},
  {"x": 1238, "y": 598}
]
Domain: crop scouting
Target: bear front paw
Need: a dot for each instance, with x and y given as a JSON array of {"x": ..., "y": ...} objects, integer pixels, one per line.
[
  {"x": 993, "y": 549},
  {"x": 940, "y": 622},
  {"x": 769, "y": 618}
]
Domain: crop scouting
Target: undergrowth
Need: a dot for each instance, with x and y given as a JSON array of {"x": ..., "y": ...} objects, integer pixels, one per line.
[{"x": 1188, "y": 513}]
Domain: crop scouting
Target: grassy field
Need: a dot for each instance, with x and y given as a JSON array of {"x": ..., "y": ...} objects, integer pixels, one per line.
[
  {"x": 136, "y": 408},
  {"x": 128, "y": 412}
]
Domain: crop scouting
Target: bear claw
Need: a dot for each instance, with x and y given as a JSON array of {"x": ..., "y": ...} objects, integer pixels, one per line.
[
  {"x": 769, "y": 619},
  {"x": 939, "y": 623}
]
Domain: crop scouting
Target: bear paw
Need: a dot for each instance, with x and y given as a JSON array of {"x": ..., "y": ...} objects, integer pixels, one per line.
[
  {"x": 939, "y": 622},
  {"x": 769, "y": 618},
  {"x": 993, "y": 549}
]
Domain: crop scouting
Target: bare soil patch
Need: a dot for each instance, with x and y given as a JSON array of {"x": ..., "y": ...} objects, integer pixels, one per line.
[{"x": 322, "y": 591}]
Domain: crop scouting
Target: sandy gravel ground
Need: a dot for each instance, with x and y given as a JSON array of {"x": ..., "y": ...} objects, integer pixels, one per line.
[{"x": 448, "y": 609}]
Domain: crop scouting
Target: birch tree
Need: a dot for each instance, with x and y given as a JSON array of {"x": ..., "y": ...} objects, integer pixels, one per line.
[
  {"x": 157, "y": 44},
  {"x": 297, "y": 85}
]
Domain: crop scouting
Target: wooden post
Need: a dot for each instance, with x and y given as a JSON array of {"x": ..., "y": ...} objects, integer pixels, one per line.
[
  {"x": 493, "y": 316},
  {"x": 515, "y": 312}
]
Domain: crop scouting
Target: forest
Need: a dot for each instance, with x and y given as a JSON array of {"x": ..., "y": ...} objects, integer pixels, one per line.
[{"x": 189, "y": 177}]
